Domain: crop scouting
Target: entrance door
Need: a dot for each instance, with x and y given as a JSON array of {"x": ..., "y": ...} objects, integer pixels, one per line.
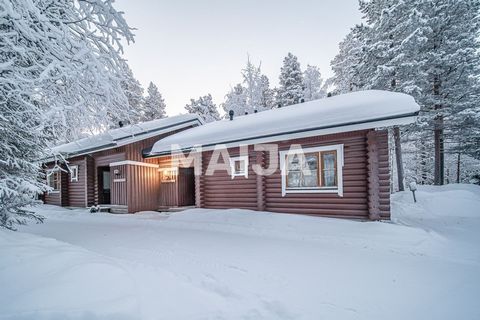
[
  {"x": 186, "y": 187},
  {"x": 104, "y": 185}
]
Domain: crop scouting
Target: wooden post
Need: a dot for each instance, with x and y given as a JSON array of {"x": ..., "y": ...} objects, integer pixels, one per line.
[
  {"x": 373, "y": 176},
  {"x": 260, "y": 160},
  {"x": 458, "y": 168},
  {"x": 198, "y": 179},
  {"x": 398, "y": 157}
]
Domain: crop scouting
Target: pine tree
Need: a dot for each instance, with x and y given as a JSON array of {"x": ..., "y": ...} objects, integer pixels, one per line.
[
  {"x": 313, "y": 84},
  {"x": 429, "y": 49},
  {"x": 133, "y": 91},
  {"x": 204, "y": 107},
  {"x": 291, "y": 82},
  {"x": 253, "y": 96},
  {"x": 236, "y": 100},
  {"x": 154, "y": 104},
  {"x": 268, "y": 95},
  {"x": 348, "y": 74},
  {"x": 256, "y": 88},
  {"x": 61, "y": 68}
]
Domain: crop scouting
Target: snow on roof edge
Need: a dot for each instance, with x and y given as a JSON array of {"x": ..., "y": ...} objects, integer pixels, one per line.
[
  {"x": 347, "y": 112},
  {"x": 111, "y": 138}
]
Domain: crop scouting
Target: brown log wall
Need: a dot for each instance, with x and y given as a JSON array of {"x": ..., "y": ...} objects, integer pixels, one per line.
[
  {"x": 221, "y": 191},
  {"x": 167, "y": 191},
  {"x": 118, "y": 193},
  {"x": 142, "y": 188},
  {"x": 76, "y": 189}
]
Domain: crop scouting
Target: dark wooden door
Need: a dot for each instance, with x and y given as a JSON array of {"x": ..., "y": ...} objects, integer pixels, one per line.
[
  {"x": 186, "y": 187},
  {"x": 104, "y": 185}
]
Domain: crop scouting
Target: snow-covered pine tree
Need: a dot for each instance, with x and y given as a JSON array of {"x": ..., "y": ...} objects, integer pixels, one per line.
[
  {"x": 348, "y": 74},
  {"x": 290, "y": 90},
  {"x": 61, "y": 66},
  {"x": 204, "y": 107},
  {"x": 256, "y": 87},
  {"x": 451, "y": 62},
  {"x": 133, "y": 91},
  {"x": 313, "y": 84},
  {"x": 429, "y": 49},
  {"x": 268, "y": 95},
  {"x": 154, "y": 104},
  {"x": 235, "y": 100}
]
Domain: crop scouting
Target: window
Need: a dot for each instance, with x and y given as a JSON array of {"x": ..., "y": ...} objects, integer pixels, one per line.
[
  {"x": 53, "y": 180},
  {"x": 239, "y": 166},
  {"x": 73, "y": 173},
  {"x": 312, "y": 170}
]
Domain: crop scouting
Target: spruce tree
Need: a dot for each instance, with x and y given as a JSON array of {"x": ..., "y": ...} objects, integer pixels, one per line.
[
  {"x": 236, "y": 101},
  {"x": 204, "y": 107},
  {"x": 154, "y": 104},
  {"x": 291, "y": 82},
  {"x": 313, "y": 84}
]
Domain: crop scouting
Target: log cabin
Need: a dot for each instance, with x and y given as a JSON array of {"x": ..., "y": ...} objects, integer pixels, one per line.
[
  {"x": 108, "y": 169},
  {"x": 327, "y": 157}
]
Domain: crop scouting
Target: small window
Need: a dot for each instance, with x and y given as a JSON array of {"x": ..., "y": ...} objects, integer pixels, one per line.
[
  {"x": 53, "y": 180},
  {"x": 239, "y": 166},
  {"x": 73, "y": 173}
]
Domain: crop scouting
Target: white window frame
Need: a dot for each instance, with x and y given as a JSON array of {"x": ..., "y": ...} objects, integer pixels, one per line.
[
  {"x": 232, "y": 166},
  {"x": 73, "y": 177},
  {"x": 340, "y": 161},
  {"x": 49, "y": 173}
]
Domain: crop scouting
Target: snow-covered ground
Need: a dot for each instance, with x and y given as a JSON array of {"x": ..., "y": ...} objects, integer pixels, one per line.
[{"x": 237, "y": 264}]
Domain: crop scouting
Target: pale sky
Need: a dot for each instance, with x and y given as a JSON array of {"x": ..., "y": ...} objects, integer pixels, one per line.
[{"x": 192, "y": 48}]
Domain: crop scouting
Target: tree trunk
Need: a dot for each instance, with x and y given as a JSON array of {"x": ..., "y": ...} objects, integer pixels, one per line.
[
  {"x": 458, "y": 168},
  {"x": 398, "y": 156},
  {"x": 439, "y": 155}
]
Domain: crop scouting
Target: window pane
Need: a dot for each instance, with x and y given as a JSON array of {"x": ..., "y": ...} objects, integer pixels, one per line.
[
  {"x": 239, "y": 166},
  {"x": 106, "y": 180},
  {"x": 293, "y": 179},
  {"x": 293, "y": 162},
  {"x": 310, "y": 178},
  {"x": 329, "y": 170},
  {"x": 302, "y": 170},
  {"x": 311, "y": 161}
]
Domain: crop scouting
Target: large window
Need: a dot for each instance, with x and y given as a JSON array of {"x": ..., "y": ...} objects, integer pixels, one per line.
[
  {"x": 53, "y": 180},
  {"x": 312, "y": 170}
]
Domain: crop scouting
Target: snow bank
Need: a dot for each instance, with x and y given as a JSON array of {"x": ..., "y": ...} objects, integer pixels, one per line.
[
  {"x": 337, "y": 111},
  {"x": 43, "y": 278},
  {"x": 241, "y": 264}
]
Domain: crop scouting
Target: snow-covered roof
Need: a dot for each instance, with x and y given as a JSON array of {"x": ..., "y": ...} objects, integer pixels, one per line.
[
  {"x": 348, "y": 112},
  {"x": 127, "y": 134}
]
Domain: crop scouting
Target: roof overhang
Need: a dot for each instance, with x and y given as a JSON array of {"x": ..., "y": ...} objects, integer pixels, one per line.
[
  {"x": 390, "y": 121},
  {"x": 130, "y": 139}
]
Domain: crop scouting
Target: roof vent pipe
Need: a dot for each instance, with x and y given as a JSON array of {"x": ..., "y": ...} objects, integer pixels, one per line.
[{"x": 230, "y": 114}]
